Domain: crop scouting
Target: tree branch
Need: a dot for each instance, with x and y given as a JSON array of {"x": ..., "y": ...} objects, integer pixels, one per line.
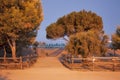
[
  {"x": 9, "y": 43},
  {"x": 65, "y": 39}
]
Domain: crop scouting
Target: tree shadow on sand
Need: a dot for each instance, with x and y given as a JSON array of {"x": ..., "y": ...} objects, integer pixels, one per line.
[{"x": 2, "y": 77}]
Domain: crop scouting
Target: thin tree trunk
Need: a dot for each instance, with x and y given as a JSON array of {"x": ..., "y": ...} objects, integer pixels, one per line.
[
  {"x": 65, "y": 39},
  {"x": 12, "y": 45},
  {"x": 4, "y": 54}
]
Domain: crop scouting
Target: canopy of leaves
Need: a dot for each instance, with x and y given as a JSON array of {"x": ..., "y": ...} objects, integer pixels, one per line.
[
  {"x": 55, "y": 31},
  {"x": 116, "y": 39},
  {"x": 20, "y": 19},
  {"x": 73, "y": 23},
  {"x": 87, "y": 44},
  {"x": 19, "y": 22}
]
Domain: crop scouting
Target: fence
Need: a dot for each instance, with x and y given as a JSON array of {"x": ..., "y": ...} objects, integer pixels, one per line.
[
  {"x": 93, "y": 63},
  {"x": 20, "y": 63}
]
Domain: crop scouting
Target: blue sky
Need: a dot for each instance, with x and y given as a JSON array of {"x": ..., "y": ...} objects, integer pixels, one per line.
[{"x": 53, "y": 9}]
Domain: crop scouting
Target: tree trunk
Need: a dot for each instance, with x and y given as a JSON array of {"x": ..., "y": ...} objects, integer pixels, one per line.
[
  {"x": 13, "y": 49},
  {"x": 12, "y": 45},
  {"x": 4, "y": 54}
]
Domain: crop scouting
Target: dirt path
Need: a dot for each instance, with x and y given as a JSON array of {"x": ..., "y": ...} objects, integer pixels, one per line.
[
  {"x": 49, "y": 68},
  {"x": 48, "y": 62},
  {"x": 56, "y": 53}
]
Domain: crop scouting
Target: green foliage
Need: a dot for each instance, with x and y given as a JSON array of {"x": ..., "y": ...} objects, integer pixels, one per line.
[
  {"x": 54, "y": 31},
  {"x": 76, "y": 22},
  {"x": 20, "y": 20},
  {"x": 116, "y": 39},
  {"x": 84, "y": 30},
  {"x": 87, "y": 44}
]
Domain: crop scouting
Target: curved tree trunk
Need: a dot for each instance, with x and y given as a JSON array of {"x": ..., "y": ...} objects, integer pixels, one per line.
[{"x": 12, "y": 45}]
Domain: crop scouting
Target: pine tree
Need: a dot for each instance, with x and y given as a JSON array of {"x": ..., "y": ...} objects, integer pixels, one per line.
[
  {"x": 116, "y": 39},
  {"x": 73, "y": 23},
  {"x": 84, "y": 30},
  {"x": 19, "y": 21}
]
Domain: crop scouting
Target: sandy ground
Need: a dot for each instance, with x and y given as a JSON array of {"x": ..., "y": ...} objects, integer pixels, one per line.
[{"x": 49, "y": 68}]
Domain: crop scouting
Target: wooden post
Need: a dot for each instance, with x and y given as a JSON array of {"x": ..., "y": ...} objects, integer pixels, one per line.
[
  {"x": 113, "y": 59},
  {"x": 93, "y": 60},
  {"x": 5, "y": 53},
  {"x": 31, "y": 59},
  {"x": 114, "y": 52},
  {"x": 28, "y": 61},
  {"x": 21, "y": 66},
  {"x": 72, "y": 62}
]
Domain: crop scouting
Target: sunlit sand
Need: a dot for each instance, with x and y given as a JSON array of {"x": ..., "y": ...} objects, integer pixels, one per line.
[{"x": 49, "y": 68}]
